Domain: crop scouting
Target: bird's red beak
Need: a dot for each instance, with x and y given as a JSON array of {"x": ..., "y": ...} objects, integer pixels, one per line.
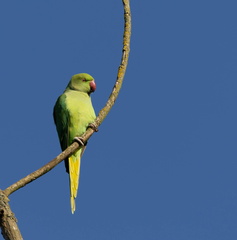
[{"x": 93, "y": 86}]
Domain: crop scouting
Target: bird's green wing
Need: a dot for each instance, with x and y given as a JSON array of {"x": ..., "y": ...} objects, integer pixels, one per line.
[{"x": 61, "y": 119}]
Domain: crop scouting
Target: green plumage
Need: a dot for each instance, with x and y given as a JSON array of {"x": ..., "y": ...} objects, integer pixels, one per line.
[{"x": 73, "y": 112}]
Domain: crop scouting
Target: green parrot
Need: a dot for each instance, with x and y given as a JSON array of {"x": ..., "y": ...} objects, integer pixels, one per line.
[{"x": 73, "y": 112}]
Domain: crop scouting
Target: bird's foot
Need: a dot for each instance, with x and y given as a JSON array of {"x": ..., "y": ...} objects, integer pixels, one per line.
[
  {"x": 79, "y": 140},
  {"x": 93, "y": 126}
]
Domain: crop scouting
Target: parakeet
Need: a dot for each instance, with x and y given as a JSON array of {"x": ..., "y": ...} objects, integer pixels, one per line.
[{"x": 73, "y": 112}]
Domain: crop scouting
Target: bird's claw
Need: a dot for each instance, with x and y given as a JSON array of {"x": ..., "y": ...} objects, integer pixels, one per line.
[
  {"x": 79, "y": 140},
  {"x": 93, "y": 126}
]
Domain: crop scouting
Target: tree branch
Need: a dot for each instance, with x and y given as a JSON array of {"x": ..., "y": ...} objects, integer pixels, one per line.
[
  {"x": 10, "y": 230},
  {"x": 8, "y": 222},
  {"x": 122, "y": 67}
]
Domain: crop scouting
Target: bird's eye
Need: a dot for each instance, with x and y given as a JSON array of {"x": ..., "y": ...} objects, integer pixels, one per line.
[{"x": 83, "y": 80}]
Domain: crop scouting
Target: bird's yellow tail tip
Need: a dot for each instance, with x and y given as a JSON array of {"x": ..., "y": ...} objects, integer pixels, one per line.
[{"x": 73, "y": 205}]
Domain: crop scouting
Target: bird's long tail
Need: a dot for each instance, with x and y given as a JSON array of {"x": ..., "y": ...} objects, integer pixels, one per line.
[{"x": 74, "y": 173}]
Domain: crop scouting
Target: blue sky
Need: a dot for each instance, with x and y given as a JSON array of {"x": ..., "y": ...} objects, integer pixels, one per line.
[{"x": 163, "y": 165}]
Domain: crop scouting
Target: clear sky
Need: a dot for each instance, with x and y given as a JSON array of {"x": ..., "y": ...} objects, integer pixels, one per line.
[{"x": 163, "y": 165}]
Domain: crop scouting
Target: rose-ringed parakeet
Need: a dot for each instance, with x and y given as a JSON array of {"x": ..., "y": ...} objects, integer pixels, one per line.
[{"x": 73, "y": 112}]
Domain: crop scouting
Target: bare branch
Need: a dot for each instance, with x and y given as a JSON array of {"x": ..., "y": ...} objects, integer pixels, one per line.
[
  {"x": 123, "y": 65},
  {"x": 8, "y": 223}
]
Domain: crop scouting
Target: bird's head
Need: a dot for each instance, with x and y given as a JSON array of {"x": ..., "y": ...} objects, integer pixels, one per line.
[{"x": 82, "y": 82}]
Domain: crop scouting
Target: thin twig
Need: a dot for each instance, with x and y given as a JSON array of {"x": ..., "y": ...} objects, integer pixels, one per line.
[{"x": 122, "y": 67}]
